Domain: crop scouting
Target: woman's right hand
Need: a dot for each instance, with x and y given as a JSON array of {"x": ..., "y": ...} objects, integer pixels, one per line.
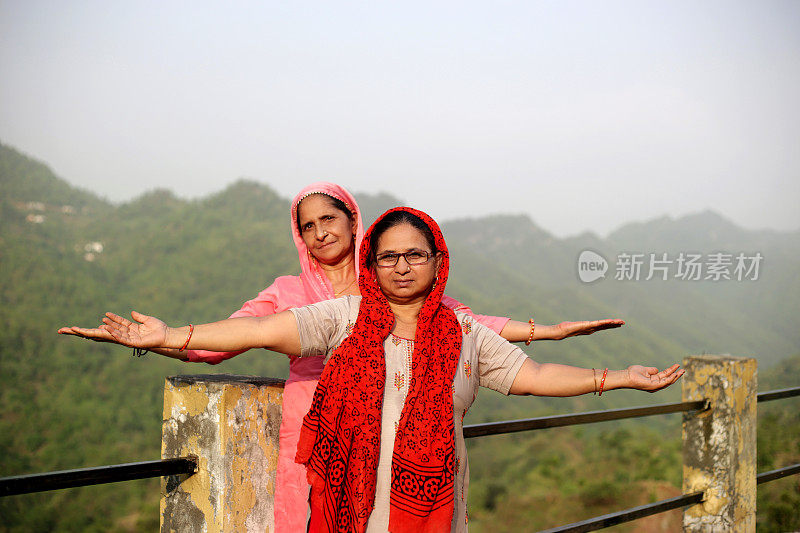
[{"x": 144, "y": 332}]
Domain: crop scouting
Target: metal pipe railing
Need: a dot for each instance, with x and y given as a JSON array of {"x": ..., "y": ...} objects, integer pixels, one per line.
[
  {"x": 82, "y": 477},
  {"x": 528, "y": 424},
  {"x": 772, "y": 475},
  {"x": 188, "y": 465},
  {"x": 777, "y": 394},
  {"x": 634, "y": 513}
]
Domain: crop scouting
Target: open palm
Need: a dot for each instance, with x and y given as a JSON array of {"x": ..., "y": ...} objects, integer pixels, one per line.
[
  {"x": 648, "y": 378},
  {"x": 143, "y": 332}
]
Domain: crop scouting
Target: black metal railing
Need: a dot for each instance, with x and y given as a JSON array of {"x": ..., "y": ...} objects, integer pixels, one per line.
[
  {"x": 612, "y": 519},
  {"x": 544, "y": 422},
  {"x": 777, "y": 394},
  {"x": 188, "y": 465},
  {"x": 628, "y": 515},
  {"x": 634, "y": 513},
  {"x": 619, "y": 517},
  {"x": 590, "y": 417},
  {"x": 83, "y": 477},
  {"x": 772, "y": 475}
]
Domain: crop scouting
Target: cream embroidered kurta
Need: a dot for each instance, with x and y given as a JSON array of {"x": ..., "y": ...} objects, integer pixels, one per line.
[{"x": 486, "y": 360}]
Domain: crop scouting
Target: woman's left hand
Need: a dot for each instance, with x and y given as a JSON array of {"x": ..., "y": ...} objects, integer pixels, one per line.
[
  {"x": 648, "y": 378},
  {"x": 586, "y": 327}
]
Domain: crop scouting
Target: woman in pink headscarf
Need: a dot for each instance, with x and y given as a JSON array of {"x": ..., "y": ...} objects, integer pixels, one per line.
[{"x": 327, "y": 229}]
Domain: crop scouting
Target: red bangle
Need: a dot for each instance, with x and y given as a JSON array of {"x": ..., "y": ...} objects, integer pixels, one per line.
[
  {"x": 188, "y": 338},
  {"x": 603, "y": 382},
  {"x": 530, "y": 337}
]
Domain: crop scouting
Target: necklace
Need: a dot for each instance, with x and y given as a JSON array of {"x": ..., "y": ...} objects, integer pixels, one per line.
[{"x": 337, "y": 294}]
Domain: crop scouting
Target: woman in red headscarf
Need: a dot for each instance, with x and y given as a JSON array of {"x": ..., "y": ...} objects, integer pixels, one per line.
[{"x": 383, "y": 440}]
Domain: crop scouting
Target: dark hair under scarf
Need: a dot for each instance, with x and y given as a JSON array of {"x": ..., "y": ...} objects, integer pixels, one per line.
[{"x": 340, "y": 439}]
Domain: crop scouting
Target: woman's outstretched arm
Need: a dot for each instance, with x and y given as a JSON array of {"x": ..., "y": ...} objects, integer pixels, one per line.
[
  {"x": 548, "y": 379},
  {"x": 276, "y": 332},
  {"x": 514, "y": 331},
  {"x": 262, "y": 305}
]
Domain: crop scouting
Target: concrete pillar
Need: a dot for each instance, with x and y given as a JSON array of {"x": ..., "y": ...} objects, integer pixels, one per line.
[
  {"x": 719, "y": 445},
  {"x": 231, "y": 424}
]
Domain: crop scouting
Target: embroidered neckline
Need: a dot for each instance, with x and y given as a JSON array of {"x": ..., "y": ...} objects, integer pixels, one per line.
[{"x": 398, "y": 337}]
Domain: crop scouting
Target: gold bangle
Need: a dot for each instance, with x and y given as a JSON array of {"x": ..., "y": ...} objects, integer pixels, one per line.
[{"x": 530, "y": 336}]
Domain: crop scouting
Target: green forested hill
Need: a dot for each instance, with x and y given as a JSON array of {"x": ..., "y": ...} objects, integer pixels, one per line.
[
  {"x": 67, "y": 256},
  {"x": 750, "y": 318}
]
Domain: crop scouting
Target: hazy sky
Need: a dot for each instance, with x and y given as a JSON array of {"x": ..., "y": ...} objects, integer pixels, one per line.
[{"x": 584, "y": 115}]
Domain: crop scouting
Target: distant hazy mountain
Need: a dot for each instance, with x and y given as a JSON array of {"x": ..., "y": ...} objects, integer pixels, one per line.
[{"x": 748, "y": 317}]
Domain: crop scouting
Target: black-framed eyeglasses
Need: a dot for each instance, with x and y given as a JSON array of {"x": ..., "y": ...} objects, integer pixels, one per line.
[{"x": 414, "y": 257}]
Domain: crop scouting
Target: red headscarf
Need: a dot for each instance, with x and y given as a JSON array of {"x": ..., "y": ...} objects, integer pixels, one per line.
[{"x": 340, "y": 438}]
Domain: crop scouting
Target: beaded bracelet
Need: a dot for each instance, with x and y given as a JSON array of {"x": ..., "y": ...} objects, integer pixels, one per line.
[
  {"x": 185, "y": 344},
  {"x": 603, "y": 382},
  {"x": 530, "y": 336}
]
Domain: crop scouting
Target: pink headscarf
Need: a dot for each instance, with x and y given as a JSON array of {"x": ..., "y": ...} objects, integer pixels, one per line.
[
  {"x": 314, "y": 279},
  {"x": 287, "y": 292}
]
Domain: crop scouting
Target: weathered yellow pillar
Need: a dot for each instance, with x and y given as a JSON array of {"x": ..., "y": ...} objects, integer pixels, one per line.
[
  {"x": 231, "y": 424},
  {"x": 719, "y": 445}
]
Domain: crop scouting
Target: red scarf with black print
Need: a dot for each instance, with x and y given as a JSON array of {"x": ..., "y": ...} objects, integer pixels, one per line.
[{"x": 341, "y": 434}]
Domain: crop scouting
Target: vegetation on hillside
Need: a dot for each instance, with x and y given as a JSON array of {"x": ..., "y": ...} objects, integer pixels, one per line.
[{"x": 68, "y": 256}]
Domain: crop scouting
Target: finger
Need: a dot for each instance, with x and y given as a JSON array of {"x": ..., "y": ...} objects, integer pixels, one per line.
[
  {"x": 667, "y": 371},
  {"x": 121, "y": 326},
  {"x": 108, "y": 323},
  {"x": 116, "y": 319},
  {"x": 586, "y": 327},
  {"x": 90, "y": 332},
  {"x": 114, "y": 331},
  {"x": 139, "y": 317},
  {"x": 672, "y": 378},
  {"x": 117, "y": 335},
  {"x": 599, "y": 325},
  {"x": 94, "y": 334},
  {"x": 608, "y": 325},
  {"x": 119, "y": 319}
]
